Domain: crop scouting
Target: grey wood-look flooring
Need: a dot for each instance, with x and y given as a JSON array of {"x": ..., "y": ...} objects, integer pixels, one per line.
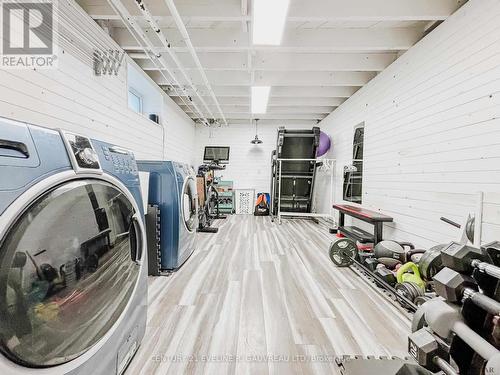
[{"x": 263, "y": 298}]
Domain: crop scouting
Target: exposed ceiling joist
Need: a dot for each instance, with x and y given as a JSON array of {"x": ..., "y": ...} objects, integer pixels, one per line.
[
  {"x": 274, "y": 116},
  {"x": 295, "y": 40},
  {"x": 282, "y": 92},
  {"x": 362, "y": 62},
  {"x": 279, "y": 101},
  {"x": 246, "y": 122},
  {"x": 275, "y": 61},
  {"x": 245, "y": 109},
  {"x": 262, "y": 78},
  {"x": 300, "y": 10}
]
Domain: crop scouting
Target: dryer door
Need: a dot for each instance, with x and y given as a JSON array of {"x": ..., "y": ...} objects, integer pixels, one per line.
[
  {"x": 68, "y": 267},
  {"x": 189, "y": 204}
]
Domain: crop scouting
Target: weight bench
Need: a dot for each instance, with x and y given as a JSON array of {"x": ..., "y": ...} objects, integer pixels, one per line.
[{"x": 372, "y": 217}]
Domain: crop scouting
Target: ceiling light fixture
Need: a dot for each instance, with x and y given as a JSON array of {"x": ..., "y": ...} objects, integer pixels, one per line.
[
  {"x": 260, "y": 97},
  {"x": 256, "y": 140},
  {"x": 269, "y": 19}
]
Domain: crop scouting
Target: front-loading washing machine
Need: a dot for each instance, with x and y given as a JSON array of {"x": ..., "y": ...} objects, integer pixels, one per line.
[
  {"x": 73, "y": 283},
  {"x": 172, "y": 188}
]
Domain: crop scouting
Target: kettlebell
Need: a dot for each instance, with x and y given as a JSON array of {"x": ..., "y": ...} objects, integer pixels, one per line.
[{"x": 403, "y": 275}]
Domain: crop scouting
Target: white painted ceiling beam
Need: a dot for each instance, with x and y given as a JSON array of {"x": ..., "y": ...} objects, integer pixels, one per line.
[
  {"x": 363, "y": 62},
  {"x": 274, "y": 116},
  {"x": 299, "y": 10},
  {"x": 281, "y": 92},
  {"x": 301, "y": 40},
  {"x": 271, "y": 122},
  {"x": 210, "y": 60},
  {"x": 232, "y": 78},
  {"x": 376, "y": 10},
  {"x": 275, "y": 61},
  {"x": 279, "y": 101},
  {"x": 312, "y": 78},
  {"x": 245, "y": 109}
]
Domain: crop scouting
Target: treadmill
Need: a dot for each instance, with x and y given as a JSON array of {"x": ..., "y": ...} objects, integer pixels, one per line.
[{"x": 297, "y": 176}]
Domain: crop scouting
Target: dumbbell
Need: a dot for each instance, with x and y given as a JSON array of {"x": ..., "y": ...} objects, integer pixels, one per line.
[
  {"x": 445, "y": 321},
  {"x": 399, "y": 251},
  {"x": 456, "y": 287},
  {"x": 371, "y": 263},
  {"x": 424, "y": 347},
  {"x": 385, "y": 274},
  {"x": 463, "y": 258}
]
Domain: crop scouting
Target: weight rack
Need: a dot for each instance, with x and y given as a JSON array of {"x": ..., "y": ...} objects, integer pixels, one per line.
[
  {"x": 346, "y": 258},
  {"x": 384, "y": 287}
]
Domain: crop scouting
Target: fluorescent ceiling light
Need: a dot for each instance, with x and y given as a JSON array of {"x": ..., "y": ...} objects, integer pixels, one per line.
[
  {"x": 260, "y": 96},
  {"x": 269, "y": 18}
]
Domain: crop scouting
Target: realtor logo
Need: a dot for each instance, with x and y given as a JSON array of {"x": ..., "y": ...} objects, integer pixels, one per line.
[{"x": 28, "y": 34}]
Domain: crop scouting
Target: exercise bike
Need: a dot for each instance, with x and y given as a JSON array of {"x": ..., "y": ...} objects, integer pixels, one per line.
[{"x": 209, "y": 203}]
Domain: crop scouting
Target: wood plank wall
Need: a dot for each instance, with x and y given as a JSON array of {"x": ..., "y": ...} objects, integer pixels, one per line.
[
  {"x": 72, "y": 98},
  {"x": 432, "y": 135}
]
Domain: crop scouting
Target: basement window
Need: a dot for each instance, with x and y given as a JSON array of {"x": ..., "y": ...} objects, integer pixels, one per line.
[
  {"x": 143, "y": 95},
  {"x": 353, "y": 174},
  {"x": 134, "y": 101}
]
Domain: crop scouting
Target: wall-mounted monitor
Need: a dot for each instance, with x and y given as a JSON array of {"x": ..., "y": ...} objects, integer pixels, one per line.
[{"x": 218, "y": 154}]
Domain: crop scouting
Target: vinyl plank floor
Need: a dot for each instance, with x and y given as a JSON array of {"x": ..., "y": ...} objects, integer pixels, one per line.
[{"x": 263, "y": 298}]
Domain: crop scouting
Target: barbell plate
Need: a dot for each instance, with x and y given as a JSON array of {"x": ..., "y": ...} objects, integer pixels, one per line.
[
  {"x": 430, "y": 263},
  {"x": 343, "y": 251}
]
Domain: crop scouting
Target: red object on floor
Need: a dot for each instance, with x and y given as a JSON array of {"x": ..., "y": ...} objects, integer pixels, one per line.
[
  {"x": 340, "y": 235},
  {"x": 362, "y": 247}
]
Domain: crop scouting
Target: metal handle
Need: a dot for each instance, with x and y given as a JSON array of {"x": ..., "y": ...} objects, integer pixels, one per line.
[
  {"x": 444, "y": 366},
  {"x": 16, "y": 146},
  {"x": 451, "y": 222},
  {"x": 415, "y": 251},
  {"x": 474, "y": 340},
  {"x": 487, "y": 268},
  {"x": 136, "y": 246},
  {"x": 484, "y": 302},
  {"x": 407, "y": 244}
]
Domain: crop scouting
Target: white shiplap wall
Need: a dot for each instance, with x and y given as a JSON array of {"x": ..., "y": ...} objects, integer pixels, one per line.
[
  {"x": 72, "y": 98},
  {"x": 180, "y": 133},
  {"x": 432, "y": 138}
]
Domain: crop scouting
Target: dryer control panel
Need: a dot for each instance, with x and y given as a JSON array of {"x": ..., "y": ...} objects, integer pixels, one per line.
[{"x": 183, "y": 170}]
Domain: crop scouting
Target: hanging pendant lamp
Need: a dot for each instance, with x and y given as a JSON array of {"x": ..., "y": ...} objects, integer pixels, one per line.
[{"x": 256, "y": 140}]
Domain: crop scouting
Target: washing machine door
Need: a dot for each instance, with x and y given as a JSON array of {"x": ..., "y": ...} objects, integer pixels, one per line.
[
  {"x": 68, "y": 267},
  {"x": 189, "y": 204}
]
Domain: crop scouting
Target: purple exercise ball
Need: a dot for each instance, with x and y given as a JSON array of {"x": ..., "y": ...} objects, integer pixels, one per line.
[{"x": 324, "y": 144}]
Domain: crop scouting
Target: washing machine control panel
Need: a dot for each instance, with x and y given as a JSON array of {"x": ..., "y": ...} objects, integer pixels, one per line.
[{"x": 119, "y": 161}]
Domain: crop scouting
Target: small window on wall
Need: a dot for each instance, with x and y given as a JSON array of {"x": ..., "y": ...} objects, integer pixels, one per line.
[
  {"x": 144, "y": 96},
  {"x": 134, "y": 101},
  {"x": 353, "y": 174}
]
